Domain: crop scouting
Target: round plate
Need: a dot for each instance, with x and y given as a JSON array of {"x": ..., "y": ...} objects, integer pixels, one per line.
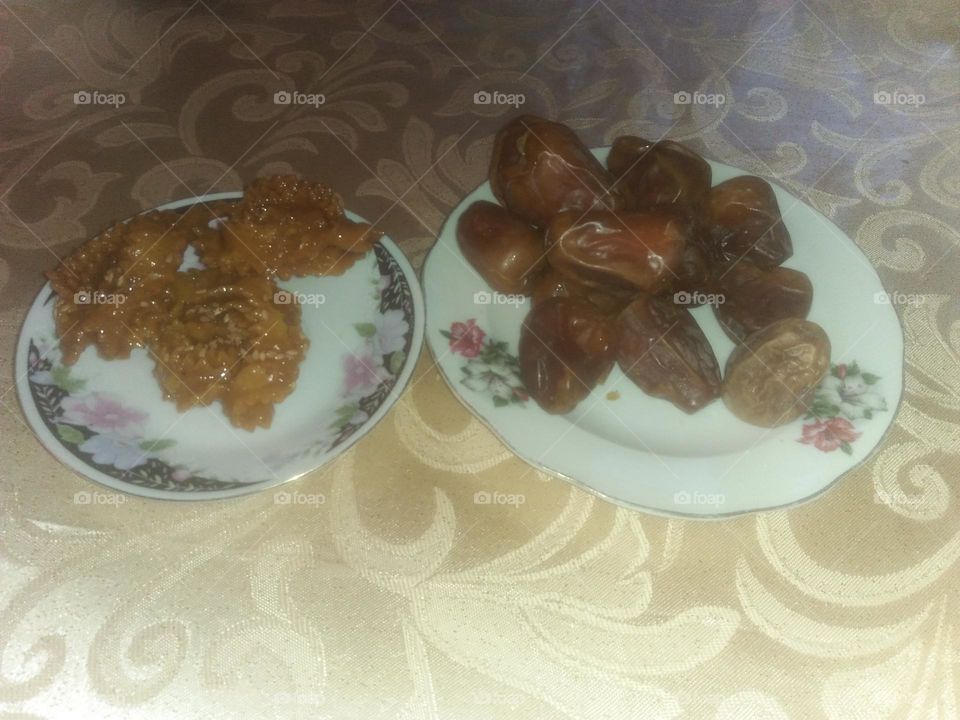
[
  {"x": 641, "y": 451},
  {"x": 107, "y": 420}
]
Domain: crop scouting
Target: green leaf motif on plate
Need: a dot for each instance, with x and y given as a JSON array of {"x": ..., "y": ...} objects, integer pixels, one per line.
[
  {"x": 63, "y": 379},
  {"x": 365, "y": 330},
  {"x": 157, "y": 445},
  {"x": 344, "y": 413},
  {"x": 396, "y": 361},
  {"x": 70, "y": 434}
]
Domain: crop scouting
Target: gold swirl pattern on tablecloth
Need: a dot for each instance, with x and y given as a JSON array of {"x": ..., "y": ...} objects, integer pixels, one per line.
[{"x": 400, "y": 596}]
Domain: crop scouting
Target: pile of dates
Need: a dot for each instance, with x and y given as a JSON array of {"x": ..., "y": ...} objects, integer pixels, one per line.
[{"x": 614, "y": 257}]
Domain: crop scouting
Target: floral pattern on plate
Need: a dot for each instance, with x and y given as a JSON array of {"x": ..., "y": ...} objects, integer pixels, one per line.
[
  {"x": 106, "y": 434},
  {"x": 490, "y": 368},
  {"x": 846, "y": 394},
  {"x": 370, "y": 374},
  {"x": 101, "y": 430}
]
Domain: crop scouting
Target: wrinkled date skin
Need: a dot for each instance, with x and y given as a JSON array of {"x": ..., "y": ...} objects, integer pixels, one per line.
[
  {"x": 663, "y": 350},
  {"x": 771, "y": 377},
  {"x": 746, "y": 221},
  {"x": 661, "y": 173},
  {"x": 666, "y": 173},
  {"x": 604, "y": 249},
  {"x": 754, "y": 297},
  {"x": 507, "y": 252},
  {"x": 540, "y": 168},
  {"x": 624, "y": 153},
  {"x": 567, "y": 347},
  {"x": 694, "y": 276},
  {"x": 701, "y": 263},
  {"x": 550, "y": 283}
]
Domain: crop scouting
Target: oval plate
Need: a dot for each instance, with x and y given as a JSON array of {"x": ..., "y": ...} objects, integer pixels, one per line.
[
  {"x": 641, "y": 451},
  {"x": 107, "y": 420}
]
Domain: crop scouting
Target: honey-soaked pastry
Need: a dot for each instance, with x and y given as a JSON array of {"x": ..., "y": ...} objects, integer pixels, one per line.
[
  {"x": 227, "y": 338},
  {"x": 111, "y": 291},
  {"x": 203, "y": 219},
  {"x": 287, "y": 227}
]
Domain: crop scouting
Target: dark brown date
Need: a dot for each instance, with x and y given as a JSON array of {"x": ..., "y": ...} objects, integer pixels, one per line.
[
  {"x": 567, "y": 347},
  {"x": 624, "y": 153},
  {"x": 666, "y": 173},
  {"x": 746, "y": 223},
  {"x": 753, "y": 297},
  {"x": 701, "y": 262},
  {"x": 662, "y": 173},
  {"x": 550, "y": 283},
  {"x": 771, "y": 377},
  {"x": 618, "y": 250},
  {"x": 663, "y": 350},
  {"x": 694, "y": 278},
  {"x": 507, "y": 252},
  {"x": 540, "y": 168}
]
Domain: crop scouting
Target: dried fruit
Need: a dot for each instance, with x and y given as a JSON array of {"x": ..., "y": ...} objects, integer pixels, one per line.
[
  {"x": 507, "y": 252},
  {"x": 771, "y": 377},
  {"x": 746, "y": 221},
  {"x": 640, "y": 250},
  {"x": 754, "y": 297},
  {"x": 661, "y": 173},
  {"x": 567, "y": 347},
  {"x": 663, "y": 350},
  {"x": 540, "y": 168}
]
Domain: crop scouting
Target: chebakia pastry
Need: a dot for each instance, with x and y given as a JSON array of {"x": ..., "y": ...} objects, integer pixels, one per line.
[
  {"x": 226, "y": 338},
  {"x": 287, "y": 227},
  {"x": 112, "y": 290},
  {"x": 217, "y": 333}
]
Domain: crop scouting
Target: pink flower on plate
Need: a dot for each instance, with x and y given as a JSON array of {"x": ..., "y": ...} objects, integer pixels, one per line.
[
  {"x": 103, "y": 413},
  {"x": 363, "y": 373},
  {"x": 828, "y": 435},
  {"x": 466, "y": 338}
]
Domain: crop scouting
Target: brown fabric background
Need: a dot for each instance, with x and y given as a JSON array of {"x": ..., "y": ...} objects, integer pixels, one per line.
[{"x": 399, "y": 597}]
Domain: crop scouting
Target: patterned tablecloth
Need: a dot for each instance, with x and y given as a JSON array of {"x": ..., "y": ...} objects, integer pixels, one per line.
[{"x": 399, "y": 597}]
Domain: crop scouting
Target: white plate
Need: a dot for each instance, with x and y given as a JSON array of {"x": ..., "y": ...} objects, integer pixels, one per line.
[
  {"x": 107, "y": 420},
  {"x": 641, "y": 451}
]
